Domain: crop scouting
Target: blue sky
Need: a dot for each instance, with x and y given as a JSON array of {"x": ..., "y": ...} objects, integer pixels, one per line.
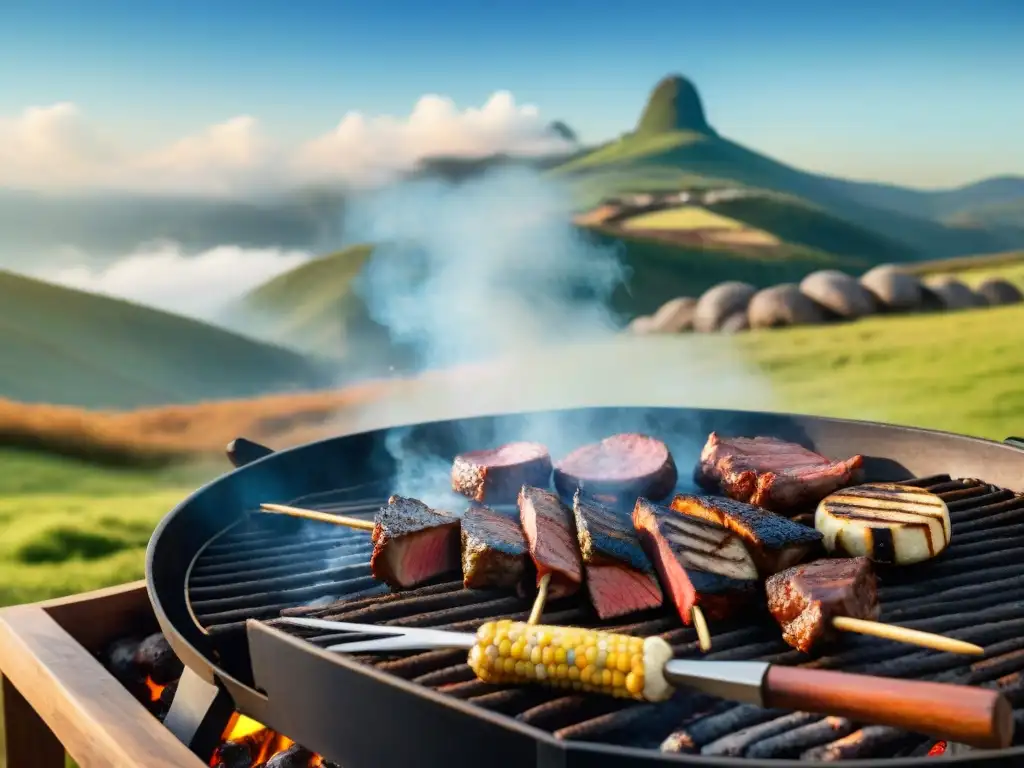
[{"x": 923, "y": 93}]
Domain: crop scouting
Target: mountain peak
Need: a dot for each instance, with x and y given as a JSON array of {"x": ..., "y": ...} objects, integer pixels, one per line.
[{"x": 674, "y": 105}]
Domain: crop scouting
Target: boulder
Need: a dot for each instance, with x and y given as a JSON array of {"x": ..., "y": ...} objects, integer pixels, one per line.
[
  {"x": 721, "y": 302},
  {"x": 953, "y": 294},
  {"x": 735, "y": 323},
  {"x": 995, "y": 291},
  {"x": 896, "y": 290},
  {"x": 839, "y": 293},
  {"x": 641, "y": 325},
  {"x": 783, "y": 305},
  {"x": 675, "y": 316}
]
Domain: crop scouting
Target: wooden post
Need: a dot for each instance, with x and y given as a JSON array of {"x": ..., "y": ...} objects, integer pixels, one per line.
[{"x": 30, "y": 742}]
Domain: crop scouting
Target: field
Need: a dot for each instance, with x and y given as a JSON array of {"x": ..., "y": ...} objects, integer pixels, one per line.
[{"x": 64, "y": 346}]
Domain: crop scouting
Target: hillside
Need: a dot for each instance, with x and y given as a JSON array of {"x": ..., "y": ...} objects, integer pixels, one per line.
[
  {"x": 69, "y": 347},
  {"x": 672, "y": 139}
]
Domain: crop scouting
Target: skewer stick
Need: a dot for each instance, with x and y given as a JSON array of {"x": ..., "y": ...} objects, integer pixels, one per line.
[
  {"x": 322, "y": 517},
  {"x": 905, "y": 635},
  {"x": 542, "y": 597},
  {"x": 701, "y": 625}
]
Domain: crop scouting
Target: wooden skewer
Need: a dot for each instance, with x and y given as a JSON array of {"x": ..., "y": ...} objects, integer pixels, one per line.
[
  {"x": 905, "y": 635},
  {"x": 701, "y": 625},
  {"x": 542, "y": 597},
  {"x": 321, "y": 517}
]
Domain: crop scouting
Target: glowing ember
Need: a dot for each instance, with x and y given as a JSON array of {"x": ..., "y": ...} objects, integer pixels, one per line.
[
  {"x": 154, "y": 689},
  {"x": 261, "y": 743},
  {"x": 938, "y": 749}
]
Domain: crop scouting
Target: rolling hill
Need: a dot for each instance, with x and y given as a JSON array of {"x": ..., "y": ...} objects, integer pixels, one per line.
[{"x": 68, "y": 347}]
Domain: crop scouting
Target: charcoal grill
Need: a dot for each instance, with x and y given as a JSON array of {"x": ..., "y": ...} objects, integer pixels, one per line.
[{"x": 218, "y": 575}]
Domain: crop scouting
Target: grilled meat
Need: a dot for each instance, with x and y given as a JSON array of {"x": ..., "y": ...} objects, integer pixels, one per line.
[
  {"x": 774, "y": 542},
  {"x": 495, "y": 475},
  {"x": 620, "y": 577},
  {"x": 804, "y": 599},
  {"x": 413, "y": 543},
  {"x": 494, "y": 549},
  {"x": 886, "y": 522},
  {"x": 772, "y": 473},
  {"x": 551, "y": 536},
  {"x": 699, "y": 563},
  {"x": 619, "y": 468}
]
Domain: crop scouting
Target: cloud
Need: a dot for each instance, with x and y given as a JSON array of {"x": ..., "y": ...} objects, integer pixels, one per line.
[
  {"x": 58, "y": 148},
  {"x": 162, "y": 275}
]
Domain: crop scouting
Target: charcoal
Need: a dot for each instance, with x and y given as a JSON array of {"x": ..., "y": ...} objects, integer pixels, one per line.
[
  {"x": 791, "y": 743},
  {"x": 737, "y": 744},
  {"x": 293, "y": 757},
  {"x": 867, "y": 742},
  {"x": 156, "y": 659},
  {"x": 715, "y": 725},
  {"x": 167, "y": 694},
  {"x": 459, "y": 673},
  {"x": 232, "y": 754}
]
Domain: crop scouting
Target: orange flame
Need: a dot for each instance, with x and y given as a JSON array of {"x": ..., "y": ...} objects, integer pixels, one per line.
[
  {"x": 262, "y": 742},
  {"x": 155, "y": 689}
]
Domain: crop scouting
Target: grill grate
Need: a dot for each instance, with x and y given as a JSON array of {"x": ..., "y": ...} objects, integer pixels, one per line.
[{"x": 267, "y": 566}]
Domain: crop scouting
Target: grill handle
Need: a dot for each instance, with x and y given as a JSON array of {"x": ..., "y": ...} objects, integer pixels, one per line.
[
  {"x": 241, "y": 452},
  {"x": 978, "y": 717},
  {"x": 1015, "y": 442}
]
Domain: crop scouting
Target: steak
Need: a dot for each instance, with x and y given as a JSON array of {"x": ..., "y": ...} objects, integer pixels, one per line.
[
  {"x": 772, "y": 473},
  {"x": 620, "y": 577},
  {"x": 804, "y": 599},
  {"x": 413, "y": 543},
  {"x": 700, "y": 563},
  {"x": 494, "y": 549},
  {"x": 774, "y": 542},
  {"x": 620, "y": 468},
  {"x": 551, "y": 537},
  {"x": 495, "y": 475}
]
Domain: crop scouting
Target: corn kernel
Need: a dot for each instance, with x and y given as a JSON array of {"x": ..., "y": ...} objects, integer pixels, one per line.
[
  {"x": 536, "y": 655},
  {"x": 570, "y": 657},
  {"x": 547, "y": 654},
  {"x": 517, "y": 649},
  {"x": 509, "y": 665},
  {"x": 591, "y": 655},
  {"x": 485, "y": 632},
  {"x": 562, "y": 671},
  {"x": 602, "y": 659},
  {"x": 505, "y": 649},
  {"x": 574, "y": 673},
  {"x": 606, "y": 677},
  {"x": 520, "y": 668},
  {"x": 544, "y": 638},
  {"x": 587, "y": 674},
  {"x": 541, "y": 672},
  {"x": 618, "y": 679},
  {"x": 611, "y": 660},
  {"x": 634, "y": 683},
  {"x": 623, "y": 662},
  {"x": 560, "y": 655}
]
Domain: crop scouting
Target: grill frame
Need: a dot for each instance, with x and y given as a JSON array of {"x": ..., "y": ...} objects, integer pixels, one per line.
[{"x": 892, "y": 453}]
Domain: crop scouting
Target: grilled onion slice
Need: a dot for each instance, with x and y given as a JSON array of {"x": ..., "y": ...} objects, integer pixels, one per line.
[{"x": 886, "y": 522}]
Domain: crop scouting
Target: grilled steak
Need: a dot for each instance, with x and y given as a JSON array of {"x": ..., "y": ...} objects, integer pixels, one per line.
[
  {"x": 551, "y": 536},
  {"x": 699, "y": 563},
  {"x": 620, "y": 577},
  {"x": 772, "y": 473},
  {"x": 493, "y": 549},
  {"x": 413, "y": 543},
  {"x": 804, "y": 599},
  {"x": 774, "y": 542},
  {"x": 619, "y": 468},
  {"x": 495, "y": 475},
  {"x": 886, "y": 522}
]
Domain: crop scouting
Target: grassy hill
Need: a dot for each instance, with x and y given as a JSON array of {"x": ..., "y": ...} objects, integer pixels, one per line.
[
  {"x": 65, "y": 346},
  {"x": 682, "y": 142}
]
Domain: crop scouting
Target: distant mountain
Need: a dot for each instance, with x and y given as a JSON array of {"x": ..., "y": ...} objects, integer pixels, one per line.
[
  {"x": 673, "y": 136},
  {"x": 68, "y": 347},
  {"x": 938, "y": 204}
]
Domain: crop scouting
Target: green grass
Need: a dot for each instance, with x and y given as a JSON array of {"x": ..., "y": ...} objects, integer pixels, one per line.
[
  {"x": 683, "y": 218},
  {"x": 69, "y": 347}
]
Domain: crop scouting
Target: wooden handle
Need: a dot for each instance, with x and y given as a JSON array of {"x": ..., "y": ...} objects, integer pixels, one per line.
[{"x": 978, "y": 717}]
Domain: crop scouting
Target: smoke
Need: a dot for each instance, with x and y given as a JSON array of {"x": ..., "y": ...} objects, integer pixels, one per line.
[
  {"x": 163, "y": 275},
  {"x": 506, "y": 306}
]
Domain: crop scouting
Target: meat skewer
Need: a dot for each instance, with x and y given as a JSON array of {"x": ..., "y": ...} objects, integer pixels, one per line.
[
  {"x": 772, "y": 473},
  {"x": 551, "y": 535},
  {"x": 620, "y": 578},
  {"x": 494, "y": 550},
  {"x": 774, "y": 542},
  {"x": 643, "y": 669},
  {"x": 495, "y": 475},
  {"x": 812, "y": 602},
  {"x": 705, "y": 567}
]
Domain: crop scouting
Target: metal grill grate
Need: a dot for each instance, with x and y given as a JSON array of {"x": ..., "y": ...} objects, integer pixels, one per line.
[{"x": 974, "y": 592}]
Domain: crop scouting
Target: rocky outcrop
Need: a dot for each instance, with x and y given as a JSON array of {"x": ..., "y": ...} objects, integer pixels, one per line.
[
  {"x": 895, "y": 290},
  {"x": 783, "y": 305},
  {"x": 839, "y": 293},
  {"x": 720, "y": 303},
  {"x": 996, "y": 292}
]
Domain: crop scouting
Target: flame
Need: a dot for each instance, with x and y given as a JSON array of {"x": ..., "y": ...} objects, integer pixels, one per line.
[
  {"x": 262, "y": 742},
  {"x": 939, "y": 748},
  {"x": 155, "y": 689}
]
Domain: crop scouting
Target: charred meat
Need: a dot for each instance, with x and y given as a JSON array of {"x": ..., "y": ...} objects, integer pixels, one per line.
[
  {"x": 806, "y": 598},
  {"x": 551, "y": 536},
  {"x": 775, "y": 542},
  {"x": 494, "y": 549},
  {"x": 885, "y": 522},
  {"x": 495, "y": 475},
  {"x": 619, "y": 468},
  {"x": 413, "y": 543},
  {"x": 699, "y": 563},
  {"x": 620, "y": 577},
  {"x": 772, "y": 473}
]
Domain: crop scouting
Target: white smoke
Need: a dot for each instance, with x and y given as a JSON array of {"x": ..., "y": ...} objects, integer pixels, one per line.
[{"x": 164, "y": 276}]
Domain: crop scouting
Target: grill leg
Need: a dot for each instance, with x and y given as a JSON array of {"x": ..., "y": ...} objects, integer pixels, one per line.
[{"x": 199, "y": 714}]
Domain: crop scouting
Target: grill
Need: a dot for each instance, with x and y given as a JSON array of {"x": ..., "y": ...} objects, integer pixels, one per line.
[{"x": 212, "y": 567}]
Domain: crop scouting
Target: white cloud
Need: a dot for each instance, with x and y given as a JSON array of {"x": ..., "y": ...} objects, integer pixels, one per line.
[
  {"x": 161, "y": 275},
  {"x": 57, "y": 147}
]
